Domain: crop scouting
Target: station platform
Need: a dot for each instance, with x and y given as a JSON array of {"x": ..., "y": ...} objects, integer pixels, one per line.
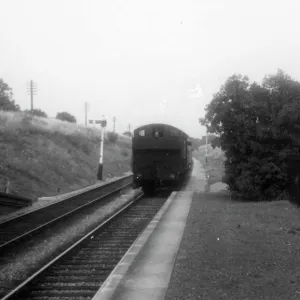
[{"x": 145, "y": 271}]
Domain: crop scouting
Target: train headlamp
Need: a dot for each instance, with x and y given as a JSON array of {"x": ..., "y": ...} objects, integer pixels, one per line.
[{"x": 138, "y": 176}]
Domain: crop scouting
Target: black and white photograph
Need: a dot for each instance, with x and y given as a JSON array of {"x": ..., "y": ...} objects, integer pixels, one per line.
[{"x": 149, "y": 150}]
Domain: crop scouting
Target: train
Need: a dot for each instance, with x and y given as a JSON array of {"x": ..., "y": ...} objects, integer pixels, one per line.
[{"x": 161, "y": 157}]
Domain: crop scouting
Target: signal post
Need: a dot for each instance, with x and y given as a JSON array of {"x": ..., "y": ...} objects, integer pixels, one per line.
[{"x": 103, "y": 123}]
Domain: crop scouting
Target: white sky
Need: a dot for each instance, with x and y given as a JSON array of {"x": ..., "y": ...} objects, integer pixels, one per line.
[{"x": 142, "y": 61}]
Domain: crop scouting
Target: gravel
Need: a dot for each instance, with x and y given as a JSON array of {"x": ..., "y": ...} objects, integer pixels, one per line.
[{"x": 234, "y": 250}]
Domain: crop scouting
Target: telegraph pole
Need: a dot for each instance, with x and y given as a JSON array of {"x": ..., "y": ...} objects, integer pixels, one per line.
[
  {"x": 32, "y": 91},
  {"x": 86, "y": 108},
  {"x": 114, "y": 120},
  {"x": 206, "y": 147}
]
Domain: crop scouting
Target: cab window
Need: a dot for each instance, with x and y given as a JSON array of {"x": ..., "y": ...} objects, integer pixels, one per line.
[
  {"x": 158, "y": 133},
  {"x": 142, "y": 132}
]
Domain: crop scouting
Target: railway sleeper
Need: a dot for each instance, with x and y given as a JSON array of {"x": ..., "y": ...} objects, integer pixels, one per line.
[
  {"x": 115, "y": 251},
  {"x": 88, "y": 266},
  {"x": 77, "y": 272},
  {"x": 63, "y": 293},
  {"x": 92, "y": 259},
  {"x": 86, "y": 285},
  {"x": 65, "y": 278}
]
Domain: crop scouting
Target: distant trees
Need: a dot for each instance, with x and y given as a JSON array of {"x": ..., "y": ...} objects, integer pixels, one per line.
[
  {"x": 112, "y": 137},
  {"x": 196, "y": 143},
  {"x": 258, "y": 127},
  {"x": 7, "y": 103},
  {"x": 6, "y": 98},
  {"x": 128, "y": 133},
  {"x": 65, "y": 116},
  {"x": 37, "y": 112}
]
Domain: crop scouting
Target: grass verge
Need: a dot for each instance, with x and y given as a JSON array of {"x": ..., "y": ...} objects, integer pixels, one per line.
[{"x": 235, "y": 250}]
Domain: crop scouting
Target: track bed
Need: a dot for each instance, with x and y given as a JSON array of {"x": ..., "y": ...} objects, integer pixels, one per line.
[{"x": 80, "y": 272}]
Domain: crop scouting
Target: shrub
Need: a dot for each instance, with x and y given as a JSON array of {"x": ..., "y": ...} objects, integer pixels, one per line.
[
  {"x": 112, "y": 137},
  {"x": 37, "y": 112},
  {"x": 6, "y": 98},
  {"x": 65, "y": 116},
  {"x": 124, "y": 152},
  {"x": 8, "y": 105}
]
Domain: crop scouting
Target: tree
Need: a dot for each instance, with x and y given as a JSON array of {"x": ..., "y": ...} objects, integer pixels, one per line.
[
  {"x": 257, "y": 128},
  {"x": 37, "y": 112},
  {"x": 65, "y": 116},
  {"x": 6, "y": 98},
  {"x": 112, "y": 137}
]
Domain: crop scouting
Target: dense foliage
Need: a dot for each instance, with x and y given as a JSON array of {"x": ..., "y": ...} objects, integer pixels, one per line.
[
  {"x": 258, "y": 127},
  {"x": 65, "y": 116},
  {"x": 37, "y": 112},
  {"x": 6, "y": 98},
  {"x": 112, "y": 137}
]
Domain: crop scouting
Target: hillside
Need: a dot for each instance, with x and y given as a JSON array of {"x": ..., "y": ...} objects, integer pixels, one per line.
[{"x": 45, "y": 157}]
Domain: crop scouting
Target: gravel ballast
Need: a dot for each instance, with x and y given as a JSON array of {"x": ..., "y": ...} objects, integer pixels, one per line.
[
  {"x": 22, "y": 265},
  {"x": 234, "y": 250}
]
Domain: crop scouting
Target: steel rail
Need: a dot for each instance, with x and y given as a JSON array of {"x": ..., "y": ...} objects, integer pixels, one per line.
[
  {"x": 66, "y": 199},
  {"x": 26, "y": 234}
]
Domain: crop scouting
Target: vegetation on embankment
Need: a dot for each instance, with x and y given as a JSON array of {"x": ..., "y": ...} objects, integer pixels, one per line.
[{"x": 46, "y": 157}]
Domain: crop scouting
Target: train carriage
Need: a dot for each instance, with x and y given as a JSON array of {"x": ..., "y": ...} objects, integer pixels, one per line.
[{"x": 161, "y": 156}]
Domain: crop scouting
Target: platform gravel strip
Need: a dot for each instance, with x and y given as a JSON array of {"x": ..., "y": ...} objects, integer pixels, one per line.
[
  {"x": 79, "y": 275},
  {"x": 16, "y": 227}
]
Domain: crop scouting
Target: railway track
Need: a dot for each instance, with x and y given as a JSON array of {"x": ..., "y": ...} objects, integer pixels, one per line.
[
  {"x": 20, "y": 228},
  {"x": 80, "y": 271}
]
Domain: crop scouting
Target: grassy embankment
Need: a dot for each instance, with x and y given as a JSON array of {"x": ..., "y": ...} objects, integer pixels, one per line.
[
  {"x": 46, "y": 157},
  {"x": 239, "y": 250},
  {"x": 238, "y": 241}
]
